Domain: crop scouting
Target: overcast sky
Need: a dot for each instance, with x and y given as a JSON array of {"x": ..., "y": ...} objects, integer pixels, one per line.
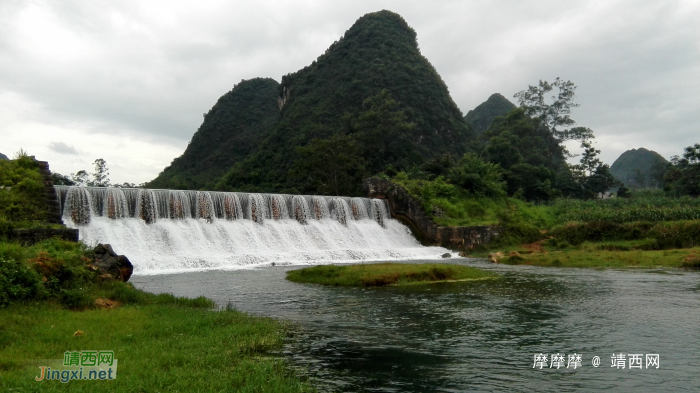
[{"x": 128, "y": 81}]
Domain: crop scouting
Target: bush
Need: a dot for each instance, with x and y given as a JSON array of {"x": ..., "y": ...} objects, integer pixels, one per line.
[
  {"x": 18, "y": 282},
  {"x": 22, "y": 194}
]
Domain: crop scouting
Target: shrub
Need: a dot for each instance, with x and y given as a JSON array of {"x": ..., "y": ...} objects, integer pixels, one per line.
[{"x": 18, "y": 282}]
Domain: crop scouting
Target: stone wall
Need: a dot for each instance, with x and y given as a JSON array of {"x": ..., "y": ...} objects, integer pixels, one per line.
[
  {"x": 54, "y": 210},
  {"x": 408, "y": 210}
]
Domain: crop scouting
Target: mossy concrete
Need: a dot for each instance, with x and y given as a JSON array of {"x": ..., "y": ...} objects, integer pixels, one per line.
[{"x": 409, "y": 211}]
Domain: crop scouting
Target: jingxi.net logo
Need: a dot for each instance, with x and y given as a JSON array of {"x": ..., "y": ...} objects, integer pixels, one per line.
[{"x": 80, "y": 365}]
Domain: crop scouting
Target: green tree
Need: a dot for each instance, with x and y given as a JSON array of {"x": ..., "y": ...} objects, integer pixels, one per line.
[
  {"x": 478, "y": 177},
  {"x": 528, "y": 154},
  {"x": 80, "y": 178},
  {"x": 554, "y": 114},
  {"x": 100, "y": 178},
  {"x": 683, "y": 175},
  {"x": 330, "y": 166},
  {"x": 593, "y": 177},
  {"x": 61, "y": 180}
]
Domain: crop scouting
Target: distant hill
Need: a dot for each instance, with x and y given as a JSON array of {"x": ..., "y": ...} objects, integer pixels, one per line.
[
  {"x": 3, "y": 157},
  {"x": 481, "y": 117},
  {"x": 231, "y": 130},
  {"x": 637, "y": 168},
  {"x": 372, "y": 87}
]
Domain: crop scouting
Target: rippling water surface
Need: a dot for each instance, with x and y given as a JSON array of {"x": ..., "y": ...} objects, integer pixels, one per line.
[{"x": 475, "y": 336}]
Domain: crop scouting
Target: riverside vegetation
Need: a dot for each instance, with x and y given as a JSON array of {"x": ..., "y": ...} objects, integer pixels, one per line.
[
  {"x": 52, "y": 300},
  {"x": 383, "y": 274},
  {"x": 646, "y": 229}
]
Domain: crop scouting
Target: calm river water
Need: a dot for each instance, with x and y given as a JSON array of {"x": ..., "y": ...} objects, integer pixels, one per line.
[{"x": 476, "y": 336}]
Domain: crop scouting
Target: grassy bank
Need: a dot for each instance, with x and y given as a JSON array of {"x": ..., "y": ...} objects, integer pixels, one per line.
[
  {"x": 382, "y": 274},
  {"x": 50, "y": 291},
  {"x": 174, "y": 345},
  {"x": 620, "y": 254}
]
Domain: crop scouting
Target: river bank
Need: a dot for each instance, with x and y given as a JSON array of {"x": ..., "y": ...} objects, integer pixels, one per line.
[
  {"x": 177, "y": 344},
  {"x": 53, "y": 299}
]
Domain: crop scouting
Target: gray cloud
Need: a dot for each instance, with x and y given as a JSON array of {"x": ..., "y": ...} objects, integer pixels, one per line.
[
  {"x": 62, "y": 148},
  {"x": 146, "y": 71}
]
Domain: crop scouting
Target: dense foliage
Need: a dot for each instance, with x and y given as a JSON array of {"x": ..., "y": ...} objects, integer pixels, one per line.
[
  {"x": 52, "y": 268},
  {"x": 532, "y": 159},
  {"x": 640, "y": 168},
  {"x": 682, "y": 175},
  {"x": 22, "y": 194},
  {"x": 231, "y": 130},
  {"x": 481, "y": 117}
]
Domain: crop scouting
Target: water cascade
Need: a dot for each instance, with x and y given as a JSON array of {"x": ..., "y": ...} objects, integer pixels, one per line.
[{"x": 174, "y": 230}]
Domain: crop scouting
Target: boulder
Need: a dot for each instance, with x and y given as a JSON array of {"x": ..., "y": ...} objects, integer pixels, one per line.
[
  {"x": 447, "y": 255},
  {"x": 495, "y": 256},
  {"x": 108, "y": 262}
]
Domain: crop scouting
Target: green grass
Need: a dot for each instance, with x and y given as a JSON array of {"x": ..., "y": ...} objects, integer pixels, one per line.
[
  {"x": 382, "y": 274},
  {"x": 172, "y": 346},
  {"x": 621, "y": 254}
]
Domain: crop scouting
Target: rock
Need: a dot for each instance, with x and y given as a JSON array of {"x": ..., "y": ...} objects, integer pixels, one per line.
[
  {"x": 106, "y": 303},
  {"x": 437, "y": 212},
  {"x": 105, "y": 277},
  {"x": 495, "y": 256},
  {"x": 108, "y": 262},
  {"x": 463, "y": 254},
  {"x": 447, "y": 255}
]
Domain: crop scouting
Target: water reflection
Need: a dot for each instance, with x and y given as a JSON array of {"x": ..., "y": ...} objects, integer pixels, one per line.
[{"x": 475, "y": 336}]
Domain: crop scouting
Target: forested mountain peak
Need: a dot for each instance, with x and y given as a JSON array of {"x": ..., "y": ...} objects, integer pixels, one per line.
[
  {"x": 481, "y": 117},
  {"x": 639, "y": 168},
  {"x": 372, "y": 86},
  {"x": 231, "y": 130}
]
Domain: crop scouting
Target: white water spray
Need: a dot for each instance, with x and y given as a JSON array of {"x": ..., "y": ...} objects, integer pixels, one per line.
[{"x": 164, "y": 231}]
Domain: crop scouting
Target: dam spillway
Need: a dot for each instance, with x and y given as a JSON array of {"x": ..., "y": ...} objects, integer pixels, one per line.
[{"x": 164, "y": 231}]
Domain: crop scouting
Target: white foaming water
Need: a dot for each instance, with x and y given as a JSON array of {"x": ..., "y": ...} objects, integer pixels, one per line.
[{"x": 236, "y": 230}]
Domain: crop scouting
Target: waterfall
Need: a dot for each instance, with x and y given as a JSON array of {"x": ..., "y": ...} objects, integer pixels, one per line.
[
  {"x": 379, "y": 211},
  {"x": 176, "y": 231},
  {"x": 301, "y": 209}
]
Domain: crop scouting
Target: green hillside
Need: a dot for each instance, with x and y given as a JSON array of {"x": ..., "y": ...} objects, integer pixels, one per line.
[
  {"x": 639, "y": 168},
  {"x": 231, "y": 130},
  {"x": 481, "y": 117},
  {"x": 371, "y": 97},
  {"x": 3, "y": 157}
]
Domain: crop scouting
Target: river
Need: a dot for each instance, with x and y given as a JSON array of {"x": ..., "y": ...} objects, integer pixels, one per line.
[{"x": 477, "y": 336}]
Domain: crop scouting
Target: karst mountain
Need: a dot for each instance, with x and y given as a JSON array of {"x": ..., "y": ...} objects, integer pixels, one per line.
[{"x": 369, "y": 103}]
